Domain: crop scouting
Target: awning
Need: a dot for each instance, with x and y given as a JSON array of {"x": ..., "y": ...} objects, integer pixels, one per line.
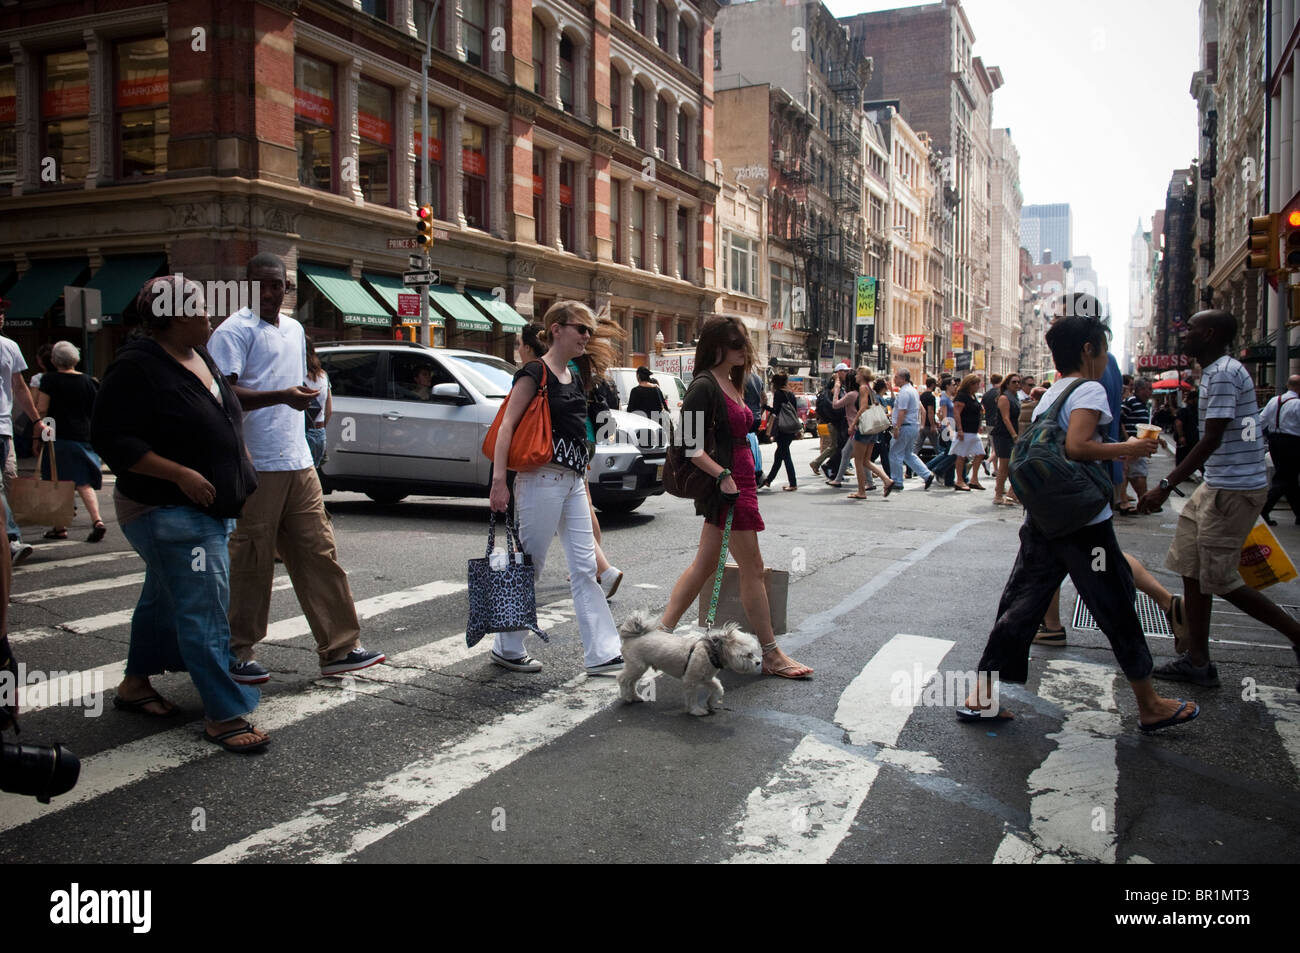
[
  {"x": 43, "y": 284},
  {"x": 120, "y": 280},
  {"x": 455, "y": 305},
  {"x": 388, "y": 288},
  {"x": 504, "y": 315},
  {"x": 352, "y": 301}
]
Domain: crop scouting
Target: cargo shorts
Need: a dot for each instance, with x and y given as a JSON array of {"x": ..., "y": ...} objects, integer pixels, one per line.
[{"x": 1211, "y": 531}]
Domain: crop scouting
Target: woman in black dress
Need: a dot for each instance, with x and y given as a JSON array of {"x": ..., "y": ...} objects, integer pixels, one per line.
[{"x": 68, "y": 396}]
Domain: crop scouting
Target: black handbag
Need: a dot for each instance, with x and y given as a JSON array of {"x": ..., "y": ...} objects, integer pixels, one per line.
[{"x": 502, "y": 600}]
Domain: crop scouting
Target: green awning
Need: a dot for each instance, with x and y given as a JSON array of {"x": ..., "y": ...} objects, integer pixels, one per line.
[
  {"x": 505, "y": 315},
  {"x": 455, "y": 305},
  {"x": 120, "y": 280},
  {"x": 352, "y": 301},
  {"x": 388, "y": 288},
  {"x": 43, "y": 284}
]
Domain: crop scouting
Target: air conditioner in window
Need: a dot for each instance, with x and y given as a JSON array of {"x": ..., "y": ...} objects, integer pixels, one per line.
[
  {"x": 659, "y": 153},
  {"x": 778, "y": 156},
  {"x": 624, "y": 133}
]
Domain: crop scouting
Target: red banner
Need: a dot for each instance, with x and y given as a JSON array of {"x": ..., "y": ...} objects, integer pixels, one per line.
[
  {"x": 566, "y": 196},
  {"x": 1163, "y": 362},
  {"x": 958, "y": 335},
  {"x": 7, "y": 108},
  {"x": 68, "y": 101},
  {"x": 475, "y": 163},
  {"x": 913, "y": 343},
  {"x": 146, "y": 91},
  {"x": 375, "y": 129},
  {"x": 313, "y": 107},
  {"x": 539, "y": 188},
  {"x": 435, "y": 149}
]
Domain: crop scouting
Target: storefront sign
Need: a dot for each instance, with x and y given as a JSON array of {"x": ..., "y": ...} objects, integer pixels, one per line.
[
  {"x": 913, "y": 343},
  {"x": 375, "y": 129},
  {"x": 312, "y": 107},
  {"x": 435, "y": 148},
  {"x": 143, "y": 91},
  {"x": 68, "y": 101},
  {"x": 475, "y": 163},
  {"x": 1163, "y": 362}
]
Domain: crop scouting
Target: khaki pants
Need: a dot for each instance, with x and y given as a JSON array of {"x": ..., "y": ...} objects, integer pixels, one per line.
[{"x": 286, "y": 514}]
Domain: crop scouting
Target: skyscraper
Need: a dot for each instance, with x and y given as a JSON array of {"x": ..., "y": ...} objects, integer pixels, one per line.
[{"x": 1044, "y": 227}]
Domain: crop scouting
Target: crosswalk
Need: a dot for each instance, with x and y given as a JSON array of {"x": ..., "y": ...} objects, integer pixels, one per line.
[{"x": 800, "y": 808}]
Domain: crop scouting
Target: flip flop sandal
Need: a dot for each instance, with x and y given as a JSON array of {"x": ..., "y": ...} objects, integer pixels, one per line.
[
  {"x": 56, "y": 534},
  {"x": 781, "y": 672},
  {"x": 97, "y": 533},
  {"x": 962, "y": 489},
  {"x": 1173, "y": 719},
  {"x": 137, "y": 706},
  {"x": 978, "y": 486},
  {"x": 224, "y": 740},
  {"x": 1045, "y": 636},
  {"x": 855, "y": 496},
  {"x": 965, "y": 713}
]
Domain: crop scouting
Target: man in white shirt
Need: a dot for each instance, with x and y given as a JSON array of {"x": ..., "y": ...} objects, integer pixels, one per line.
[
  {"x": 1027, "y": 386},
  {"x": 13, "y": 389},
  {"x": 1280, "y": 420},
  {"x": 263, "y": 354},
  {"x": 907, "y": 424},
  {"x": 1218, "y": 517}
]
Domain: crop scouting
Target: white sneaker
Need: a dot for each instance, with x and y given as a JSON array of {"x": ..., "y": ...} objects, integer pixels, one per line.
[
  {"x": 525, "y": 663},
  {"x": 18, "y": 552},
  {"x": 609, "y": 581}
]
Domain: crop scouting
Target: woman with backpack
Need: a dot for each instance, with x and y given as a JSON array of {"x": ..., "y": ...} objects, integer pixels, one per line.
[
  {"x": 1082, "y": 545},
  {"x": 785, "y": 407}
]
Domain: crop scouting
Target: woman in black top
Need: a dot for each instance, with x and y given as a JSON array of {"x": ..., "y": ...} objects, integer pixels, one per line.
[
  {"x": 553, "y": 498},
  {"x": 967, "y": 446},
  {"x": 781, "y": 397},
  {"x": 1003, "y": 437},
  {"x": 68, "y": 396},
  {"x": 646, "y": 398},
  {"x": 171, "y": 428}
]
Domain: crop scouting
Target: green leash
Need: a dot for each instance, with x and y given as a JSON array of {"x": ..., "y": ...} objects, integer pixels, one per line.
[{"x": 722, "y": 562}]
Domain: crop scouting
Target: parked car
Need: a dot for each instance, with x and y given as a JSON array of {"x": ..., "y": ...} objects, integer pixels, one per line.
[{"x": 411, "y": 420}]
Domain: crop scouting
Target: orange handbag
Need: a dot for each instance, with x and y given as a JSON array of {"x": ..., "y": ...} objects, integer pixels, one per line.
[{"x": 530, "y": 445}]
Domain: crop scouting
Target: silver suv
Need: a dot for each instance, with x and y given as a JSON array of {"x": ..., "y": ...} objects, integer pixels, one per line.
[{"x": 411, "y": 420}]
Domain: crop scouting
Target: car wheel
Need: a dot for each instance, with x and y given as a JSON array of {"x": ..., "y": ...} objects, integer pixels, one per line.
[
  {"x": 387, "y": 497},
  {"x": 619, "y": 506}
]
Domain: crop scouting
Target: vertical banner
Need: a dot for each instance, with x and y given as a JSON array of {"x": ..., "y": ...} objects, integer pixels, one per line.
[
  {"x": 866, "y": 309},
  {"x": 958, "y": 335},
  {"x": 979, "y": 360}
]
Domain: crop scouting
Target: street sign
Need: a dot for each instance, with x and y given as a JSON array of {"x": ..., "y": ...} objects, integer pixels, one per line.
[
  {"x": 408, "y": 305},
  {"x": 420, "y": 278},
  {"x": 403, "y": 243},
  {"x": 417, "y": 262}
]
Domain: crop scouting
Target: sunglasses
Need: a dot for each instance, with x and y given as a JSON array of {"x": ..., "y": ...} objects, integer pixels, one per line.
[
  {"x": 581, "y": 328},
  {"x": 736, "y": 345}
]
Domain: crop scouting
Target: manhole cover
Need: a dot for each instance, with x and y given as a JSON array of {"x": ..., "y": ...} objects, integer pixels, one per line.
[{"x": 1150, "y": 615}]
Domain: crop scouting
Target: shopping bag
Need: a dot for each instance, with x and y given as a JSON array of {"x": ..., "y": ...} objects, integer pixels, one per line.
[
  {"x": 1263, "y": 560},
  {"x": 38, "y": 502},
  {"x": 502, "y": 599}
]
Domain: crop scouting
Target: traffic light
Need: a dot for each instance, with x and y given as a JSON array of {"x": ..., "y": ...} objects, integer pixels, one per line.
[
  {"x": 424, "y": 226},
  {"x": 1291, "y": 239},
  {"x": 1263, "y": 243}
]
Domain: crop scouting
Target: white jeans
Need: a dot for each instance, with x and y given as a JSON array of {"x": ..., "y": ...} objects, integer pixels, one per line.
[{"x": 550, "y": 501}]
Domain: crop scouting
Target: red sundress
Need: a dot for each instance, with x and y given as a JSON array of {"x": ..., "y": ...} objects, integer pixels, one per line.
[{"x": 739, "y": 418}]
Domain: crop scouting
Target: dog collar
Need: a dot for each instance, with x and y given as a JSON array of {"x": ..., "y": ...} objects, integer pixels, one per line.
[{"x": 710, "y": 643}]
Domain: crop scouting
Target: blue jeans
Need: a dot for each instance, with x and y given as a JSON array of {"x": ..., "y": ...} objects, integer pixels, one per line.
[
  {"x": 903, "y": 451},
  {"x": 316, "y": 444},
  {"x": 180, "y": 623},
  {"x": 11, "y": 528}
]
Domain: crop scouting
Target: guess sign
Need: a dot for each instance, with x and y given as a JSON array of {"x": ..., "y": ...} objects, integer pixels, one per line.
[{"x": 1163, "y": 362}]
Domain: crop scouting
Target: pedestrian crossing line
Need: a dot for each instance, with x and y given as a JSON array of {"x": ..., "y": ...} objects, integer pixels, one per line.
[
  {"x": 128, "y": 763},
  {"x": 1073, "y": 792},
  {"x": 808, "y": 806},
  {"x": 98, "y": 623},
  {"x": 71, "y": 688},
  {"x": 30, "y": 568},
  {"x": 336, "y": 829},
  {"x": 1284, "y": 706},
  {"x": 77, "y": 589}
]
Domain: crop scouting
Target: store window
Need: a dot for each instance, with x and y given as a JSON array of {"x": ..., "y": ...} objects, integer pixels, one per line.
[
  {"x": 375, "y": 154},
  {"x": 539, "y": 194},
  {"x": 140, "y": 102},
  {"x": 313, "y": 127},
  {"x": 436, "y": 170},
  {"x": 474, "y": 21},
  {"x": 474, "y": 193},
  {"x": 638, "y": 229},
  {"x": 65, "y": 111},
  {"x": 568, "y": 238},
  {"x": 8, "y": 116}
]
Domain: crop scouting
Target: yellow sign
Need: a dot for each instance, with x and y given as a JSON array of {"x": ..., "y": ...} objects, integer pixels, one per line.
[
  {"x": 979, "y": 360},
  {"x": 949, "y": 363},
  {"x": 866, "y": 296}
]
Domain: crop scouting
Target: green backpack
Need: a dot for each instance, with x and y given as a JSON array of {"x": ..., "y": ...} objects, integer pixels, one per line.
[{"x": 1061, "y": 495}]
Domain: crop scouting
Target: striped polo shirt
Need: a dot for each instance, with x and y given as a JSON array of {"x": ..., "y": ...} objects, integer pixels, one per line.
[{"x": 1227, "y": 391}]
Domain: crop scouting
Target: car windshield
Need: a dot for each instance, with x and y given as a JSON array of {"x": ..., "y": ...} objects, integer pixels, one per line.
[{"x": 488, "y": 375}]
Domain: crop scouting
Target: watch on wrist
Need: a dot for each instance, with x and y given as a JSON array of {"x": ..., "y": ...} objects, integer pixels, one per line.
[
  {"x": 1164, "y": 485},
  {"x": 723, "y": 474}
]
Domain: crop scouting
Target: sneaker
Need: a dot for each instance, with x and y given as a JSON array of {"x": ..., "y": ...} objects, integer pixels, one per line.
[
  {"x": 612, "y": 667},
  {"x": 18, "y": 553},
  {"x": 1181, "y": 669},
  {"x": 1046, "y": 636},
  {"x": 354, "y": 661},
  {"x": 609, "y": 581},
  {"x": 521, "y": 664},
  {"x": 249, "y": 673},
  {"x": 928, "y": 481}
]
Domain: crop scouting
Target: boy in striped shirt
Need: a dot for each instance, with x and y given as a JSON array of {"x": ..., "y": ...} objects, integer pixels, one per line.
[{"x": 1213, "y": 526}]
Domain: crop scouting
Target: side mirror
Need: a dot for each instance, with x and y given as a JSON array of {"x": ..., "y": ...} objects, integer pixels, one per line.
[{"x": 449, "y": 392}]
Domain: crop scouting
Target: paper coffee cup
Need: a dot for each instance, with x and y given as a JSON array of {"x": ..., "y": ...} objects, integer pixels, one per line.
[{"x": 1148, "y": 432}]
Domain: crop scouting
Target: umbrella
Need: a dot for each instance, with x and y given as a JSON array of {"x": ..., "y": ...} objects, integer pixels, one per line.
[{"x": 1171, "y": 385}]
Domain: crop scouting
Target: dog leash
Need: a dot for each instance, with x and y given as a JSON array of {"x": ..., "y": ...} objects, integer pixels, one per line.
[{"x": 717, "y": 577}]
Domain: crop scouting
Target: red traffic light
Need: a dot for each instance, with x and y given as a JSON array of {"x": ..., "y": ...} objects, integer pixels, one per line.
[
  {"x": 424, "y": 225},
  {"x": 1293, "y": 218}
]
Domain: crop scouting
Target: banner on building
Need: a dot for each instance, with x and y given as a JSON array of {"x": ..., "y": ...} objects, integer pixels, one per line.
[
  {"x": 913, "y": 343},
  {"x": 979, "y": 361},
  {"x": 962, "y": 361},
  {"x": 958, "y": 335},
  {"x": 866, "y": 299},
  {"x": 866, "y": 340}
]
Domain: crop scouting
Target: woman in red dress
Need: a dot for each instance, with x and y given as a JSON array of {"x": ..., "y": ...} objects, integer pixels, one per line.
[{"x": 716, "y": 400}]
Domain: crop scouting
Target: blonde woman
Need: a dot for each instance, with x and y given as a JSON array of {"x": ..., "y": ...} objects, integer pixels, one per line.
[
  {"x": 723, "y": 357},
  {"x": 862, "y": 443}
]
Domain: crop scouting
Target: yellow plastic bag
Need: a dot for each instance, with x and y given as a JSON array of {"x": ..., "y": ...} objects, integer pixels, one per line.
[
  {"x": 823, "y": 430},
  {"x": 1263, "y": 560}
]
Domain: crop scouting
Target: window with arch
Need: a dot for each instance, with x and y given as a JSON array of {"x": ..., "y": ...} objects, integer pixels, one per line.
[
  {"x": 684, "y": 45},
  {"x": 683, "y": 138},
  {"x": 567, "y": 69},
  {"x": 661, "y": 125},
  {"x": 539, "y": 57},
  {"x": 474, "y": 20},
  {"x": 661, "y": 26},
  {"x": 539, "y": 195},
  {"x": 638, "y": 113},
  {"x": 616, "y": 96}
]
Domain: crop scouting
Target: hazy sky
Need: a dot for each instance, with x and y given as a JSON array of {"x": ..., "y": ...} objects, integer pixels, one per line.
[{"x": 1096, "y": 98}]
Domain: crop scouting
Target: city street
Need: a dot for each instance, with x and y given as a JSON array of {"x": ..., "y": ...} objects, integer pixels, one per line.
[{"x": 440, "y": 756}]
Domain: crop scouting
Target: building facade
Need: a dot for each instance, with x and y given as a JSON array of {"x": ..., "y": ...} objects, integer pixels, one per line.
[
  {"x": 1047, "y": 228},
  {"x": 742, "y": 263},
  {"x": 1005, "y": 294}
]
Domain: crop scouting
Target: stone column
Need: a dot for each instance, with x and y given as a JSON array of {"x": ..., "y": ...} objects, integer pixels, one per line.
[
  {"x": 552, "y": 198},
  {"x": 552, "y": 64},
  {"x": 452, "y": 159},
  {"x": 349, "y": 136},
  {"x": 670, "y": 228},
  {"x": 625, "y": 222},
  {"x": 582, "y": 176},
  {"x": 100, "y": 118},
  {"x": 692, "y": 246},
  {"x": 404, "y": 131},
  {"x": 497, "y": 178}
]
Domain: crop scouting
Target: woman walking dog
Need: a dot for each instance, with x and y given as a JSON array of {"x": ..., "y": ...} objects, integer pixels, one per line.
[{"x": 715, "y": 396}]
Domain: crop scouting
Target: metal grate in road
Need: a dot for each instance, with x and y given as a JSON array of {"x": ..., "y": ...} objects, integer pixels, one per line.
[{"x": 1150, "y": 615}]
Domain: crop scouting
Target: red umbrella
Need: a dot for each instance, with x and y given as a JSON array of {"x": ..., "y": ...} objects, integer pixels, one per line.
[{"x": 1171, "y": 385}]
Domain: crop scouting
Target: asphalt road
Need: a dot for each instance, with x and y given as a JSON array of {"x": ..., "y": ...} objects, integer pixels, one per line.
[{"x": 438, "y": 756}]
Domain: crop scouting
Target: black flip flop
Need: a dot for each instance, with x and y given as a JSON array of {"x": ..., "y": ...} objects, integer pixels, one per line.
[
  {"x": 136, "y": 707},
  {"x": 965, "y": 713},
  {"x": 1173, "y": 719},
  {"x": 223, "y": 740}
]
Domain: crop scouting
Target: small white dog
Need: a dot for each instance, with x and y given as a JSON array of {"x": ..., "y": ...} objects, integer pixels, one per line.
[{"x": 695, "y": 659}]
